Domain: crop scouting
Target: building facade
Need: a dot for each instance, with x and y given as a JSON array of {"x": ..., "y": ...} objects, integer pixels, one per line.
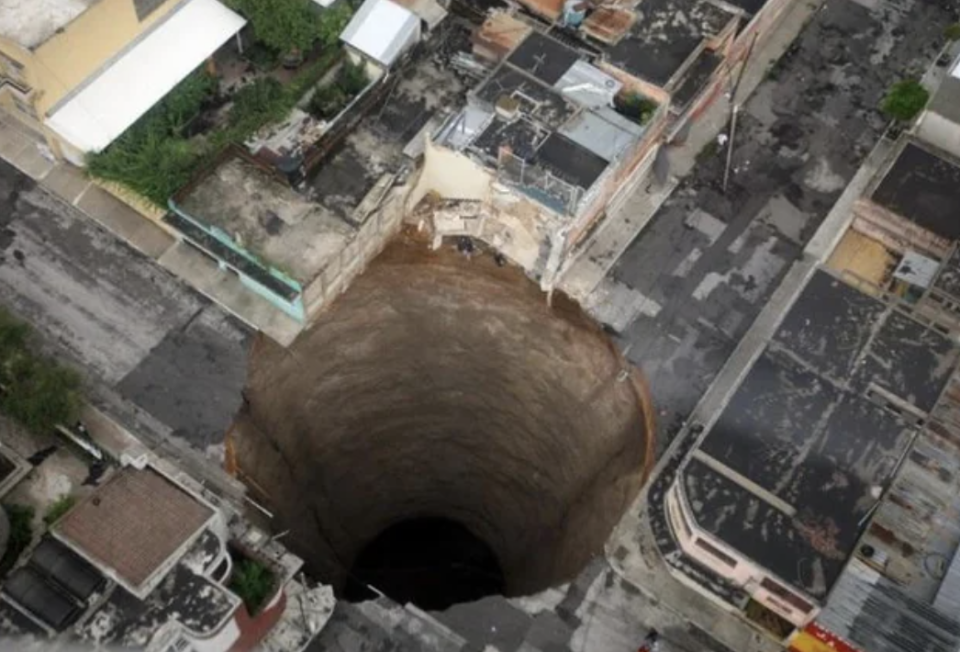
[{"x": 81, "y": 71}]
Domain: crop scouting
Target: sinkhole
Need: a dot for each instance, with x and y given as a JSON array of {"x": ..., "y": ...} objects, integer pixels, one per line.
[{"x": 441, "y": 433}]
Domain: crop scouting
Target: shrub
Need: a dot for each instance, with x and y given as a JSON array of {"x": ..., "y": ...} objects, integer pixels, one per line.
[
  {"x": 21, "y": 534},
  {"x": 952, "y": 32},
  {"x": 258, "y": 103},
  {"x": 184, "y": 102},
  {"x": 328, "y": 101},
  {"x": 37, "y": 391},
  {"x": 152, "y": 163},
  {"x": 352, "y": 78},
  {"x": 60, "y": 506},
  {"x": 253, "y": 582},
  {"x": 151, "y": 157},
  {"x": 42, "y": 394},
  {"x": 636, "y": 107},
  {"x": 905, "y": 100}
]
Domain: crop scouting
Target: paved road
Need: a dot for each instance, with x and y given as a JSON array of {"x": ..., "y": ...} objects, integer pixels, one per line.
[
  {"x": 710, "y": 260},
  {"x": 127, "y": 324}
]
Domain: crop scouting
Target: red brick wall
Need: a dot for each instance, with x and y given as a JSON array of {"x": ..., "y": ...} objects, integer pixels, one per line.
[{"x": 254, "y": 628}]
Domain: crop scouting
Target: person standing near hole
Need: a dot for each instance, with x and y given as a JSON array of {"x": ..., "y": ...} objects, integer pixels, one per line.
[{"x": 651, "y": 643}]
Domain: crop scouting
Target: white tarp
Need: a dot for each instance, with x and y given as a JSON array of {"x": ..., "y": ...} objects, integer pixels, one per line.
[
  {"x": 121, "y": 93},
  {"x": 382, "y": 30}
]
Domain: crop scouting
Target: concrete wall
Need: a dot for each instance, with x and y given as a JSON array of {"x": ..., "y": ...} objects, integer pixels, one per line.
[
  {"x": 371, "y": 238},
  {"x": 939, "y": 132},
  {"x": 451, "y": 175}
]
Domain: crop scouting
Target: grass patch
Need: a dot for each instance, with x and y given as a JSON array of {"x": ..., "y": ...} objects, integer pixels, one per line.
[
  {"x": 952, "y": 32},
  {"x": 60, "y": 506},
  {"x": 21, "y": 534},
  {"x": 253, "y": 582}
]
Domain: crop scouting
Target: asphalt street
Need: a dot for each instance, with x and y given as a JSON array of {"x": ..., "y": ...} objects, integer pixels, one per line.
[{"x": 111, "y": 312}]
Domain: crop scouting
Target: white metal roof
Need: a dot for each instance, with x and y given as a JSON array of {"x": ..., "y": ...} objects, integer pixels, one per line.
[
  {"x": 588, "y": 86},
  {"x": 917, "y": 269},
  {"x": 382, "y": 30},
  {"x": 114, "y": 99}
]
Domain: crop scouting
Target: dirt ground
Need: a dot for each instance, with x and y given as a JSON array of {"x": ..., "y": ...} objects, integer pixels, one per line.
[{"x": 445, "y": 387}]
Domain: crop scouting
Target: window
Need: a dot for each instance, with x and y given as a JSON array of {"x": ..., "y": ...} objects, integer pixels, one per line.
[
  {"x": 146, "y": 7},
  {"x": 787, "y": 596},
  {"x": 180, "y": 645},
  {"x": 716, "y": 552}
]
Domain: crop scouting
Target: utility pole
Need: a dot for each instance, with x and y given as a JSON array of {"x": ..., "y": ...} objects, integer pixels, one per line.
[{"x": 732, "y": 131}]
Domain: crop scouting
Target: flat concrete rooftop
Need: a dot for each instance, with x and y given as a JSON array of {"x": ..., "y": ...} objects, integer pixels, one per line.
[
  {"x": 665, "y": 35},
  {"x": 423, "y": 89},
  {"x": 268, "y": 218},
  {"x": 923, "y": 185},
  {"x": 808, "y": 453},
  {"x": 31, "y": 23}
]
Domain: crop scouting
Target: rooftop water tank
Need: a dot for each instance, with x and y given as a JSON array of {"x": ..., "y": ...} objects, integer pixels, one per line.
[{"x": 574, "y": 11}]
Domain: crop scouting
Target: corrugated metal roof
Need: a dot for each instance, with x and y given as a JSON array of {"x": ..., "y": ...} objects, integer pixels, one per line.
[
  {"x": 870, "y": 612},
  {"x": 597, "y": 135},
  {"x": 588, "y": 85},
  {"x": 465, "y": 126},
  {"x": 917, "y": 269}
]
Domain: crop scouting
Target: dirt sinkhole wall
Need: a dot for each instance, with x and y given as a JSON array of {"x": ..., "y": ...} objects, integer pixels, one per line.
[{"x": 442, "y": 433}]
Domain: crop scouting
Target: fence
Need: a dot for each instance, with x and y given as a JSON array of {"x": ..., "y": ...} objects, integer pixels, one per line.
[{"x": 538, "y": 183}]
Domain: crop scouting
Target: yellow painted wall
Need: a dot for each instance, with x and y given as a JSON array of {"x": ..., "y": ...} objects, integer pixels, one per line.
[
  {"x": 91, "y": 40},
  {"x": 8, "y": 105}
]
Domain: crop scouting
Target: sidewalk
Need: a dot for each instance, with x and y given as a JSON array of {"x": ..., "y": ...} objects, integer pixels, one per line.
[
  {"x": 583, "y": 274},
  {"x": 24, "y": 150}
]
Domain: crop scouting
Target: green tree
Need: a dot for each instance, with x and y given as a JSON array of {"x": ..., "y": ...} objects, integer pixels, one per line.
[
  {"x": 37, "y": 391},
  {"x": 332, "y": 23},
  {"x": 952, "y": 32},
  {"x": 283, "y": 25},
  {"x": 42, "y": 394},
  {"x": 905, "y": 100}
]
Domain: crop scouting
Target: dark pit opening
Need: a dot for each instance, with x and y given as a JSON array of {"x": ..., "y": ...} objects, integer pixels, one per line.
[
  {"x": 433, "y": 563},
  {"x": 445, "y": 387}
]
